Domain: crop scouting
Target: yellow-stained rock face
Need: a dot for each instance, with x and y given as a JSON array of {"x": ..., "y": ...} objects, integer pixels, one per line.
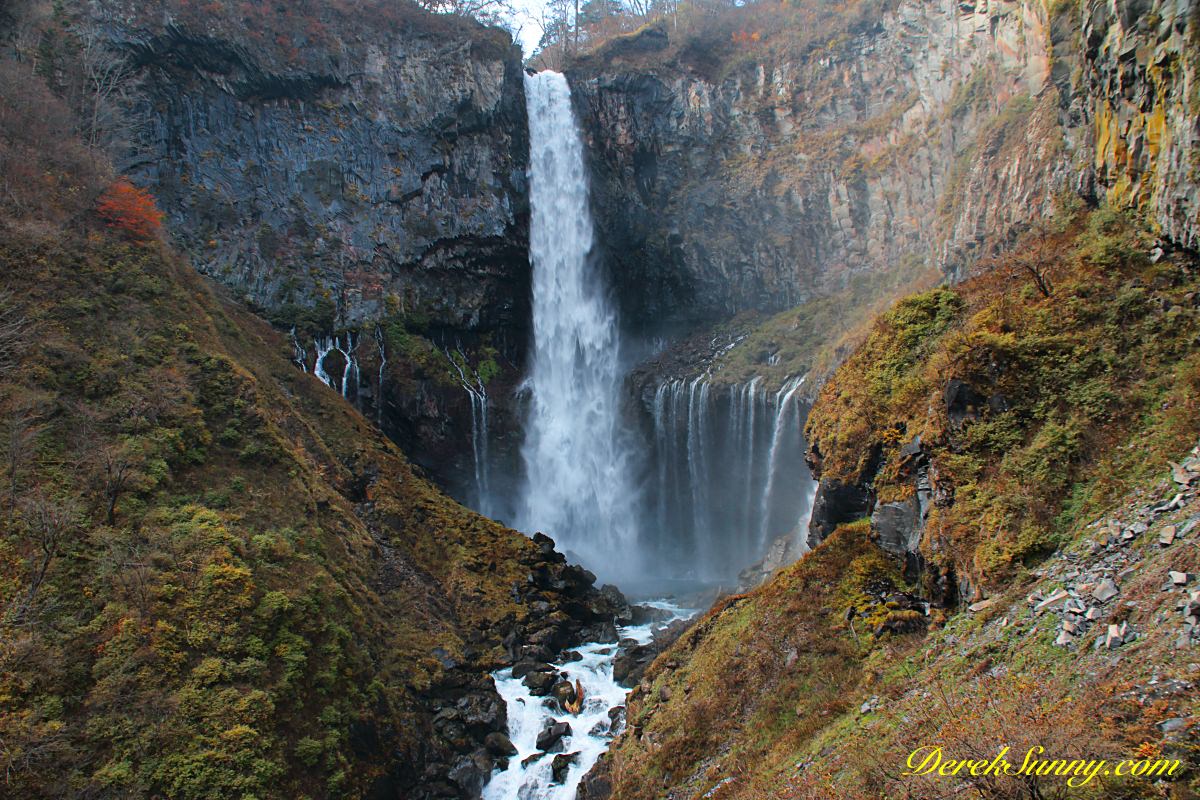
[{"x": 1140, "y": 77}]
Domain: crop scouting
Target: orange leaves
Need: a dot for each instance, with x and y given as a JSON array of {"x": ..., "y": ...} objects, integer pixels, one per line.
[
  {"x": 745, "y": 37},
  {"x": 130, "y": 210}
]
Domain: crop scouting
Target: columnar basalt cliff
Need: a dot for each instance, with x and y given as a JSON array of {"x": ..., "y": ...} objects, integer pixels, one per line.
[
  {"x": 382, "y": 173},
  {"x": 1129, "y": 112},
  {"x": 770, "y": 174}
]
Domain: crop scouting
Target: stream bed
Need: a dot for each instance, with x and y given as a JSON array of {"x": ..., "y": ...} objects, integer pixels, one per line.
[{"x": 592, "y": 729}]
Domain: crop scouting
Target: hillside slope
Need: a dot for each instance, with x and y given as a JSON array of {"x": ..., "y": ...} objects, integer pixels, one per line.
[
  {"x": 990, "y": 458},
  {"x": 218, "y": 580}
]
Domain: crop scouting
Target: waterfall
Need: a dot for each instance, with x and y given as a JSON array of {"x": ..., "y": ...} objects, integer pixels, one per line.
[
  {"x": 578, "y": 487},
  {"x": 331, "y": 344},
  {"x": 478, "y": 396},
  {"x": 381, "y": 344},
  {"x": 723, "y": 492},
  {"x": 782, "y": 423}
]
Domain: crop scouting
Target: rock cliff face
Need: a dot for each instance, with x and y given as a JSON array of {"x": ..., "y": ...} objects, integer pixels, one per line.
[
  {"x": 923, "y": 131},
  {"x": 359, "y": 174},
  {"x": 385, "y": 176},
  {"x": 1140, "y": 92}
]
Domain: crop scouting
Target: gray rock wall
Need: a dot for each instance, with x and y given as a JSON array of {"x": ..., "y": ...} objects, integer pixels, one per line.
[
  {"x": 934, "y": 131},
  {"x": 385, "y": 176}
]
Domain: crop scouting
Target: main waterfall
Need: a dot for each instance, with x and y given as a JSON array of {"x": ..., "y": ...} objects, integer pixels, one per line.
[{"x": 578, "y": 487}]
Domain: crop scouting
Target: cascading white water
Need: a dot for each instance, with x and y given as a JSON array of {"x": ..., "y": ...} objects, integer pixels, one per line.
[
  {"x": 780, "y": 429},
  {"x": 578, "y": 486},
  {"x": 530, "y": 774},
  {"x": 331, "y": 344}
]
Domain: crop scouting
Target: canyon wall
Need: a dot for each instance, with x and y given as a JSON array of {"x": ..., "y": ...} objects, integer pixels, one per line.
[
  {"x": 381, "y": 173},
  {"x": 353, "y": 171},
  {"x": 908, "y": 131},
  {"x": 1130, "y": 114}
]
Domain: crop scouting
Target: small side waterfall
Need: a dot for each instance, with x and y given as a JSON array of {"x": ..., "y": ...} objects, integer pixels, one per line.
[
  {"x": 477, "y": 393},
  {"x": 730, "y": 476},
  {"x": 381, "y": 344},
  {"x": 345, "y": 347},
  {"x": 578, "y": 486}
]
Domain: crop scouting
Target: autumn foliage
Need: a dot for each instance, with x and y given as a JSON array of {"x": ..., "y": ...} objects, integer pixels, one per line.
[{"x": 131, "y": 210}]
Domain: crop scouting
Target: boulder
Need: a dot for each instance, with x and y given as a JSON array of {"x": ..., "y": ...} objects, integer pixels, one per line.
[
  {"x": 550, "y": 739},
  {"x": 563, "y": 692},
  {"x": 499, "y": 745},
  {"x": 561, "y": 765},
  {"x": 1106, "y": 591},
  {"x": 540, "y": 683},
  {"x": 897, "y": 526}
]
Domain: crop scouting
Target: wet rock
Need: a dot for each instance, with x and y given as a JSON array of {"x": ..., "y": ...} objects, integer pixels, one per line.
[
  {"x": 523, "y": 668},
  {"x": 550, "y": 738},
  {"x": 617, "y": 607},
  {"x": 644, "y": 615},
  {"x": 563, "y": 692},
  {"x": 616, "y": 715},
  {"x": 600, "y": 632},
  {"x": 561, "y": 765},
  {"x": 540, "y": 683},
  {"x": 499, "y": 745},
  {"x": 631, "y": 661}
]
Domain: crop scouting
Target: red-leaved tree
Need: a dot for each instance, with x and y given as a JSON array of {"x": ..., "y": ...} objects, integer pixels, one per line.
[{"x": 126, "y": 208}]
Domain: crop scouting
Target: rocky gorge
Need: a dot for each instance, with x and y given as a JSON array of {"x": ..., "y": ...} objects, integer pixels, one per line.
[
  {"x": 728, "y": 179},
  {"x": 861, "y": 335}
]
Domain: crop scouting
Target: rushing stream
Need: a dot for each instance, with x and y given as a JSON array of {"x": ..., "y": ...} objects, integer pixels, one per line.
[{"x": 591, "y": 729}]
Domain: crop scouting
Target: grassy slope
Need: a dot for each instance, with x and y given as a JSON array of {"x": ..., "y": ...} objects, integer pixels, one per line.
[
  {"x": 762, "y": 699},
  {"x": 1065, "y": 383},
  {"x": 262, "y": 612}
]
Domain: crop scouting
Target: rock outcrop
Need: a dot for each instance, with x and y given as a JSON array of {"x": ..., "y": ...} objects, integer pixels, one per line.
[{"x": 381, "y": 174}]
